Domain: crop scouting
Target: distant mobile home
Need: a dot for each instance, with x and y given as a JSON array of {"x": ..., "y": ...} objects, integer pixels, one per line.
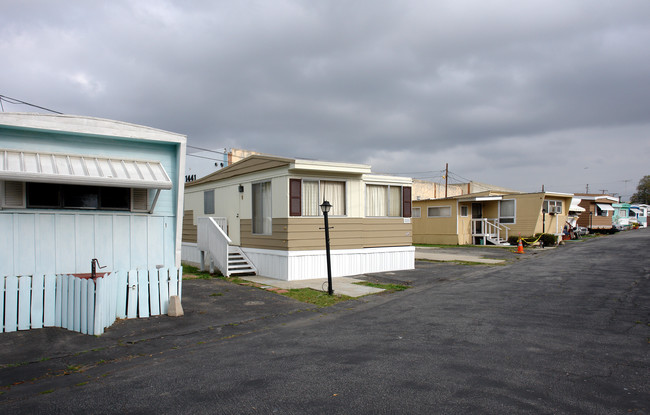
[
  {"x": 268, "y": 208},
  {"x": 488, "y": 217},
  {"x": 598, "y": 211}
]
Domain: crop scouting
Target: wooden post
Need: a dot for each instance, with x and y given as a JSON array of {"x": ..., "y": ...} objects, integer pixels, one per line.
[{"x": 446, "y": 177}]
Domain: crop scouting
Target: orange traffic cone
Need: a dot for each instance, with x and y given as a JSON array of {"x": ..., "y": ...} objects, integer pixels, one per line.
[{"x": 520, "y": 247}]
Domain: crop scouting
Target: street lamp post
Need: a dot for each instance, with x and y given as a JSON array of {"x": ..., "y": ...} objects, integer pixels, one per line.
[
  {"x": 544, "y": 221},
  {"x": 325, "y": 208}
]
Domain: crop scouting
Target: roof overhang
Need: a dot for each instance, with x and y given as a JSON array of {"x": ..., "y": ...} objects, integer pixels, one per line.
[
  {"x": 60, "y": 168},
  {"x": 604, "y": 206},
  {"x": 480, "y": 199}
]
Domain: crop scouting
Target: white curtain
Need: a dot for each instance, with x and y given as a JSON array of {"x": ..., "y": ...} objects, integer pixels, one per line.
[
  {"x": 376, "y": 200},
  {"x": 310, "y": 198},
  {"x": 395, "y": 201},
  {"x": 262, "y": 215},
  {"x": 334, "y": 192}
]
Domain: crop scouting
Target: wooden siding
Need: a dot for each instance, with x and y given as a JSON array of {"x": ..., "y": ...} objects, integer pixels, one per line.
[
  {"x": 43, "y": 242},
  {"x": 190, "y": 231},
  {"x": 593, "y": 221},
  {"x": 295, "y": 234}
]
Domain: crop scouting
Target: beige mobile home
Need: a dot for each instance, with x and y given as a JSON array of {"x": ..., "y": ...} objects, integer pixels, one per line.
[
  {"x": 488, "y": 217},
  {"x": 266, "y": 209}
]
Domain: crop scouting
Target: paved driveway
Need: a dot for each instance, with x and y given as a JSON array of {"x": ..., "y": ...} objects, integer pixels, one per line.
[{"x": 559, "y": 331}]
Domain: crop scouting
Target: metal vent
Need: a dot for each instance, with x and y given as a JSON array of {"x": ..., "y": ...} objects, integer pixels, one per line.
[
  {"x": 139, "y": 200},
  {"x": 14, "y": 195}
]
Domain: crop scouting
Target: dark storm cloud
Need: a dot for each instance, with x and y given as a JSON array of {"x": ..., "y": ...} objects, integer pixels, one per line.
[{"x": 492, "y": 88}]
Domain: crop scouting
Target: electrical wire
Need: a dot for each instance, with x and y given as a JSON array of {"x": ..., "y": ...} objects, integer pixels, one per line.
[{"x": 16, "y": 101}]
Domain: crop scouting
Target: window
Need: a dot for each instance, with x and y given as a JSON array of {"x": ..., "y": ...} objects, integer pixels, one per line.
[
  {"x": 55, "y": 196},
  {"x": 507, "y": 209},
  {"x": 262, "y": 220},
  {"x": 464, "y": 211},
  {"x": 416, "y": 212},
  {"x": 305, "y": 197},
  {"x": 553, "y": 206},
  {"x": 208, "y": 202},
  {"x": 439, "y": 211},
  {"x": 601, "y": 212},
  {"x": 391, "y": 201}
]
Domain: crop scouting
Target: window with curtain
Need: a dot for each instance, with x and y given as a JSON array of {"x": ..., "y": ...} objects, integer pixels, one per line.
[
  {"x": 376, "y": 200},
  {"x": 416, "y": 212},
  {"x": 439, "y": 211},
  {"x": 314, "y": 192},
  {"x": 334, "y": 192},
  {"x": 383, "y": 200},
  {"x": 208, "y": 202},
  {"x": 262, "y": 219},
  {"x": 507, "y": 210}
]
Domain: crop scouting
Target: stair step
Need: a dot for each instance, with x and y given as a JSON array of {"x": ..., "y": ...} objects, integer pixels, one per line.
[{"x": 243, "y": 266}]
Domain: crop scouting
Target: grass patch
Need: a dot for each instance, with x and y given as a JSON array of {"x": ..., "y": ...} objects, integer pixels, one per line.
[
  {"x": 461, "y": 246},
  {"x": 318, "y": 298},
  {"x": 47, "y": 391},
  {"x": 389, "y": 288},
  {"x": 191, "y": 272}
]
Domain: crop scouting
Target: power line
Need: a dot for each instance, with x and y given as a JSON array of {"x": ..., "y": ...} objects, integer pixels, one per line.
[
  {"x": 205, "y": 149},
  {"x": 18, "y": 102}
]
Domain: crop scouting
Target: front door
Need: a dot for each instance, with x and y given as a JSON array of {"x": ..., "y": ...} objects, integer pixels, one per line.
[{"x": 477, "y": 213}]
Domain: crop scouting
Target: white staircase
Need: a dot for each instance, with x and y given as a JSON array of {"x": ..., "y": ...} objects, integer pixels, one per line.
[
  {"x": 238, "y": 262},
  {"x": 497, "y": 240},
  {"x": 228, "y": 258},
  {"x": 490, "y": 230}
]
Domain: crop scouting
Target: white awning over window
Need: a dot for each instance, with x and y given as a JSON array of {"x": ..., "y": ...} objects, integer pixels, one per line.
[
  {"x": 635, "y": 210},
  {"x": 604, "y": 206},
  {"x": 29, "y": 166},
  {"x": 576, "y": 208}
]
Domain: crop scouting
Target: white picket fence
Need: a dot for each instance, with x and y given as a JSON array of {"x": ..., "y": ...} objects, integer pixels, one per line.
[{"x": 84, "y": 305}]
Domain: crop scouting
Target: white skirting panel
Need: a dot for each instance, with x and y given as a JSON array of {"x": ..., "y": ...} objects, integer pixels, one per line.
[
  {"x": 190, "y": 254},
  {"x": 304, "y": 265}
]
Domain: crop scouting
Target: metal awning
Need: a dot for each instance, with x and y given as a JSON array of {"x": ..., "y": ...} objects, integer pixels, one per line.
[
  {"x": 604, "y": 206},
  {"x": 576, "y": 208},
  {"x": 635, "y": 210},
  {"x": 44, "y": 167}
]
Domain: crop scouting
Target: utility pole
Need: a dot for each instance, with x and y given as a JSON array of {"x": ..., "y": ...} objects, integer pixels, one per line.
[{"x": 446, "y": 177}]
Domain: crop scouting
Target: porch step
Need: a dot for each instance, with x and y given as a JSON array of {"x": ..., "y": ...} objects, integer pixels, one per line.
[
  {"x": 499, "y": 241},
  {"x": 238, "y": 263}
]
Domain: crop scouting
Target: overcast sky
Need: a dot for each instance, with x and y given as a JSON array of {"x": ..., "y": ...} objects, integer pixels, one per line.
[{"x": 512, "y": 93}]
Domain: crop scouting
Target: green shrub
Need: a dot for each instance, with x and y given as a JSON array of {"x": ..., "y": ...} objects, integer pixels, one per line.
[
  {"x": 547, "y": 239},
  {"x": 513, "y": 240}
]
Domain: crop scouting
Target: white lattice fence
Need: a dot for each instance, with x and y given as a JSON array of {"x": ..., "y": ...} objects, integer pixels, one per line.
[{"x": 85, "y": 305}]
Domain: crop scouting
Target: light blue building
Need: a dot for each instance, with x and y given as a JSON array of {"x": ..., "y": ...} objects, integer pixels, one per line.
[
  {"x": 624, "y": 216},
  {"x": 74, "y": 188}
]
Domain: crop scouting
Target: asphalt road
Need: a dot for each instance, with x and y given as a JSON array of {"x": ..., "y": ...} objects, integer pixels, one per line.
[{"x": 565, "y": 330}]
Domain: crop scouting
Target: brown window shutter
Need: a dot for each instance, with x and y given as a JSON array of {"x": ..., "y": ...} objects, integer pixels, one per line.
[
  {"x": 295, "y": 197},
  {"x": 406, "y": 201}
]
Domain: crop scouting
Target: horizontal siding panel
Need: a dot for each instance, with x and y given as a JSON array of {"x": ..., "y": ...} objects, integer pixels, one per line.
[{"x": 346, "y": 233}]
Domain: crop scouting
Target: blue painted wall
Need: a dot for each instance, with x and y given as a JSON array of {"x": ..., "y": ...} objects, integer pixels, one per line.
[{"x": 64, "y": 241}]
